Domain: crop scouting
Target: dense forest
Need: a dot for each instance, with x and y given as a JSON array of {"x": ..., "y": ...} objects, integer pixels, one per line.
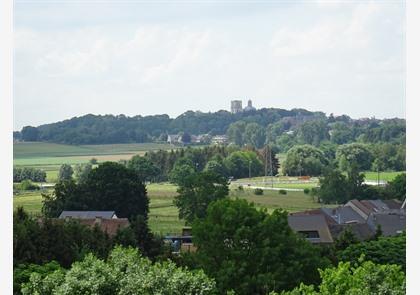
[{"x": 267, "y": 125}]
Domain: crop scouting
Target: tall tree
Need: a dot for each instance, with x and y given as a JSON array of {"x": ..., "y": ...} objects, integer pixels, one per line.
[
  {"x": 197, "y": 191},
  {"x": 254, "y": 135},
  {"x": 65, "y": 172},
  {"x": 304, "y": 160},
  {"x": 252, "y": 252}
]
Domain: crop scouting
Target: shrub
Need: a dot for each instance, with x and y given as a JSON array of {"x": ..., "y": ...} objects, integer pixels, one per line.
[
  {"x": 27, "y": 185},
  {"x": 306, "y": 191},
  {"x": 258, "y": 192},
  {"x": 282, "y": 192},
  {"x": 240, "y": 188}
]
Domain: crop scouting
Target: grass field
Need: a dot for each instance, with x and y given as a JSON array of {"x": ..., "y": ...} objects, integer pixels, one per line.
[
  {"x": 50, "y": 156},
  {"x": 387, "y": 176},
  {"x": 163, "y": 215}
]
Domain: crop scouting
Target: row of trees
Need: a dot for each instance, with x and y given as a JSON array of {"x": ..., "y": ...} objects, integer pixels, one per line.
[
  {"x": 253, "y": 128},
  {"x": 227, "y": 161},
  {"x": 310, "y": 160},
  {"x": 25, "y": 173}
]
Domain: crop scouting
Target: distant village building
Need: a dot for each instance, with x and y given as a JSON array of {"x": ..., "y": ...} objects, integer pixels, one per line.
[
  {"x": 220, "y": 139},
  {"x": 107, "y": 221},
  {"x": 362, "y": 217},
  {"x": 249, "y": 107},
  {"x": 236, "y": 106}
]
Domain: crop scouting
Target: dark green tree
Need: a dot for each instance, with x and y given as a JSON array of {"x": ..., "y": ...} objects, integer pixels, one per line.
[
  {"x": 197, "y": 191},
  {"x": 252, "y": 252},
  {"x": 109, "y": 187},
  {"x": 254, "y": 135},
  {"x": 65, "y": 172},
  {"x": 304, "y": 160},
  {"x": 144, "y": 168}
]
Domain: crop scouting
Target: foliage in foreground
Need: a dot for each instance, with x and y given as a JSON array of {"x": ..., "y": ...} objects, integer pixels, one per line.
[
  {"x": 384, "y": 250},
  {"x": 252, "y": 252},
  {"x": 124, "y": 272},
  {"x": 367, "y": 279}
]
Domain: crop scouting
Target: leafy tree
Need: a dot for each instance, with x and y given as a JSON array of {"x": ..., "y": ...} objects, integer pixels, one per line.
[
  {"x": 40, "y": 241},
  {"x": 354, "y": 156},
  {"x": 285, "y": 142},
  {"x": 366, "y": 279},
  {"x": 82, "y": 172},
  {"x": 65, "y": 172},
  {"x": 183, "y": 168},
  {"x": 216, "y": 167},
  {"x": 333, "y": 187},
  {"x": 341, "y": 133},
  {"x": 139, "y": 235},
  {"x": 383, "y": 250},
  {"x": 22, "y": 273},
  {"x": 197, "y": 191},
  {"x": 30, "y": 133},
  {"x": 25, "y": 173},
  {"x": 109, "y": 187},
  {"x": 250, "y": 251},
  {"x": 144, "y": 168},
  {"x": 275, "y": 130},
  {"x": 124, "y": 272},
  {"x": 254, "y": 135},
  {"x": 239, "y": 163},
  {"x": 236, "y": 131},
  {"x": 396, "y": 188},
  {"x": 304, "y": 160},
  {"x": 313, "y": 132},
  {"x": 345, "y": 239}
]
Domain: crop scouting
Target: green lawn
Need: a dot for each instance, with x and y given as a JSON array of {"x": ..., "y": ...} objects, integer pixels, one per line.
[{"x": 387, "y": 176}]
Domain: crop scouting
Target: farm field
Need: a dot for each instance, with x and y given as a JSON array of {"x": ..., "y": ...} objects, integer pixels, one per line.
[
  {"x": 163, "y": 216},
  {"x": 50, "y": 156}
]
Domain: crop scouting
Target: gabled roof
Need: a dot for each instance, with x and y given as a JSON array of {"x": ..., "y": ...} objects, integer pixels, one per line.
[
  {"x": 302, "y": 223},
  {"x": 392, "y": 222},
  {"x": 362, "y": 231},
  {"x": 88, "y": 214},
  {"x": 343, "y": 214}
]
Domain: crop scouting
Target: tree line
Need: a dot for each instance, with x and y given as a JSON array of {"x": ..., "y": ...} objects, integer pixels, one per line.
[{"x": 283, "y": 128}]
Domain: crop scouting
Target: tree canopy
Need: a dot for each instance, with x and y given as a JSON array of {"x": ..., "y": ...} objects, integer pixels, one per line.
[
  {"x": 124, "y": 272},
  {"x": 252, "y": 252},
  {"x": 197, "y": 191},
  {"x": 109, "y": 187},
  {"x": 304, "y": 160}
]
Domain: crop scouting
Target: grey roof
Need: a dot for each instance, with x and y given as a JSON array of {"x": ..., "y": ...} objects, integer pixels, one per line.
[
  {"x": 317, "y": 223},
  {"x": 344, "y": 214},
  {"x": 87, "y": 214},
  {"x": 391, "y": 223},
  {"x": 362, "y": 231}
]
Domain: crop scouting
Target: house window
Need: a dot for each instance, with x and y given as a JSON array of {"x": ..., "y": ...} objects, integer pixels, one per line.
[{"x": 310, "y": 234}]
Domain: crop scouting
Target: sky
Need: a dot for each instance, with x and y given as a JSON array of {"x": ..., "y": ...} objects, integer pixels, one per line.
[{"x": 135, "y": 57}]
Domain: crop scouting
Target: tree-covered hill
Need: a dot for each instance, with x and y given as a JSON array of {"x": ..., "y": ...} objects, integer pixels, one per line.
[{"x": 309, "y": 127}]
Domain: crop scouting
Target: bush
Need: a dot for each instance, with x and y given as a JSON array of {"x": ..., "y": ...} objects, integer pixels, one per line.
[
  {"x": 282, "y": 192},
  {"x": 27, "y": 185},
  {"x": 240, "y": 188},
  {"x": 306, "y": 191},
  {"x": 258, "y": 192}
]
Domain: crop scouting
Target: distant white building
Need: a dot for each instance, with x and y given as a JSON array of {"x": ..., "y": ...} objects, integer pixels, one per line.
[{"x": 219, "y": 139}]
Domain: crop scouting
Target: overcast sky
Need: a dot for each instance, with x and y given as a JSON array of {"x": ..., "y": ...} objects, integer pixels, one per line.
[{"x": 143, "y": 57}]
